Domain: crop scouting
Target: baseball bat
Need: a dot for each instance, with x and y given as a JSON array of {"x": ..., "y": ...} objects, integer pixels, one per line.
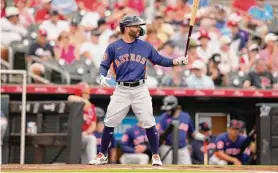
[
  {"x": 206, "y": 152},
  {"x": 192, "y": 22}
]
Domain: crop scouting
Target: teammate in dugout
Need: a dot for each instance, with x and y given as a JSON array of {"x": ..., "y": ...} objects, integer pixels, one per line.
[
  {"x": 173, "y": 112},
  {"x": 135, "y": 146},
  {"x": 89, "y": 142},
  {"x": 228, "y": 146},
  {"x": 128, "y": 57},
  {"x": 197, "y": 154}
]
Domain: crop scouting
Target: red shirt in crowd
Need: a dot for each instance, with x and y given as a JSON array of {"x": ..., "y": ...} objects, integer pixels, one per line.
[
  {"x": 43, "y": 14},
  {"x": 90, "y": 5},
  {"x": 137, "y": 5},
  {"x": 90, "y": 116},
  {"x": 3, "y": 12},
  {"x": 243, "y": 5}
]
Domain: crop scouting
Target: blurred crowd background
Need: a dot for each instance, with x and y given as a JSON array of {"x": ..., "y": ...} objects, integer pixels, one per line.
[{"x": 234, "y": 42}]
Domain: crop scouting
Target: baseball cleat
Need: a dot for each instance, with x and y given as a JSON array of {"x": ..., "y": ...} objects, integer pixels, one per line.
[
  {"x": 156, "y": 160},
  {"x": 100, "y": 159}
]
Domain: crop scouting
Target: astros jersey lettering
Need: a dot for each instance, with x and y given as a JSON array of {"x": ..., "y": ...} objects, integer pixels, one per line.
[
  {"x": 134, "y": 136},
  {"x": 223, "y": 143},
  {"x": 129, "y": 59}
]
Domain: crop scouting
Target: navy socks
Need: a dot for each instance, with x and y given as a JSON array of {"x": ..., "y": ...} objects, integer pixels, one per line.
[
  {"x": 153, "y": 138},
  {"x": 106, "y": 138}
]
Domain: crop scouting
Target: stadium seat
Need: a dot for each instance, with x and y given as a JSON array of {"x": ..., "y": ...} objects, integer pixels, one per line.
[{"x": 235, "y": 79}]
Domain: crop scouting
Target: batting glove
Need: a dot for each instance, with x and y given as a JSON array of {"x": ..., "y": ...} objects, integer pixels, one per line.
[
  {"x": 102, "y": 80},
  {"x": 182, "y": 60}
]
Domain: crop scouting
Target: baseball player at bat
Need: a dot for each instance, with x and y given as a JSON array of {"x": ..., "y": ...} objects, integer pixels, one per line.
[
  {"x": 173, "y": 112},
  {"x": 229, "y": 146},
  {"x": 129, "y": 56}
]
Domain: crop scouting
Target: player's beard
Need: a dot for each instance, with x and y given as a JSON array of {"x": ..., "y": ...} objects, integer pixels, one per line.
[{"x": 133, "y": 34}]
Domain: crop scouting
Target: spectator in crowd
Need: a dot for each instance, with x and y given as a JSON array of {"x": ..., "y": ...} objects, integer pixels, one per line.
[
  {"x": 153, "y": 9},
  {"x": 168, "y": 50},
  {"x": 243, "y": 6},
  {"x": 205, "y": 49},
  {"x": 90, "y": 19},
  {"x": 198, "y": 79},
  {"x": 42, "y": 49},
  {"x": 229, "y": 61},
  {"x": 92, "y": 49},
  {"x": 105, "y": 31},
  {"x": 135, "y": 146},
  {"x": 247, "y": 60},
  {"x": 270, "y": 53},
  {"x": 260, "y": 77},
  {"x": 35, "y": 4},
  {"x": 89, "y": 5},
  {"x": 192, "y": 53},
  {"x": 64, "y": 50},
  {"x": 65, "y": 7},
  {"x": 43, "y": 13},
  {"x": 262, "y": 11},
  {"x": 198, "y": 148},
  {"x": 98, "y": 133},
  {"x": 238, "y": 36},
  {"x": 214, "y": 72},
  {"x": 3, "y": 8},
  {"x": 164, "y": 30},
  {"x": 54, "y": 26},
  {"x": 138, "y": 6},
  {"x": 11, "y": 29},
  {"x": 25, "y": 16},
  {"x": 152, "y": 37},
  {"x": 228, "y": 146},
  {"x": 77, "y": 35},
  {"x": 174, "y": 112},
  {"x": 181, "y": 35},
  {"x": 3, "y": 125},
  {"x": 182, "y": 8},
  {"x": 89, "y": 143}
]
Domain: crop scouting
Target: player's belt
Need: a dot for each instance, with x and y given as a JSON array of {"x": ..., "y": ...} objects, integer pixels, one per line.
[{"x": 132, "y": 84}]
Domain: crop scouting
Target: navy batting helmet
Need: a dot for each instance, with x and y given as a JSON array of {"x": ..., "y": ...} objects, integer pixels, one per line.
[
  {"x": 132, "y": 20},
  {"x": 169, "y": 103}
]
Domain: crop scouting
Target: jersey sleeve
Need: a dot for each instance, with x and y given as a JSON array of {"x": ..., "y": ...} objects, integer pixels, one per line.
[
  {"x": 106, "y": 61},
  {"x": 156, "y": 58},
  {"x": 161, "y": 125},
  {"x": 220, "y": 143},
  {"x": 125, "y": 143},
  {"x": 190, "y": 126}
]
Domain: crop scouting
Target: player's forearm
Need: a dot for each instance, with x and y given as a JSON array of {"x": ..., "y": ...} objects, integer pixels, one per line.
[
  {"x": 166, "y": 62},
  {"x": 103, "y": 70},
  {"x": 224, "y": 156}
]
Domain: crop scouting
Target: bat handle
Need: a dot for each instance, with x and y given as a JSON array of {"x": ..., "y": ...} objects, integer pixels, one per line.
[{"x": 188, "y": 40}]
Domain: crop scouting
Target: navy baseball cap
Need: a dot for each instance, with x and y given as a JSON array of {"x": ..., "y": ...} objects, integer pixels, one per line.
[
  {"x": 234, "y": 124},
  {"x": 204, "y": 126}
]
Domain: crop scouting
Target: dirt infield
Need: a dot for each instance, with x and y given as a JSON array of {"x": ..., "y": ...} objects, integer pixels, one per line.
[{"x": 60, "y": 167}]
